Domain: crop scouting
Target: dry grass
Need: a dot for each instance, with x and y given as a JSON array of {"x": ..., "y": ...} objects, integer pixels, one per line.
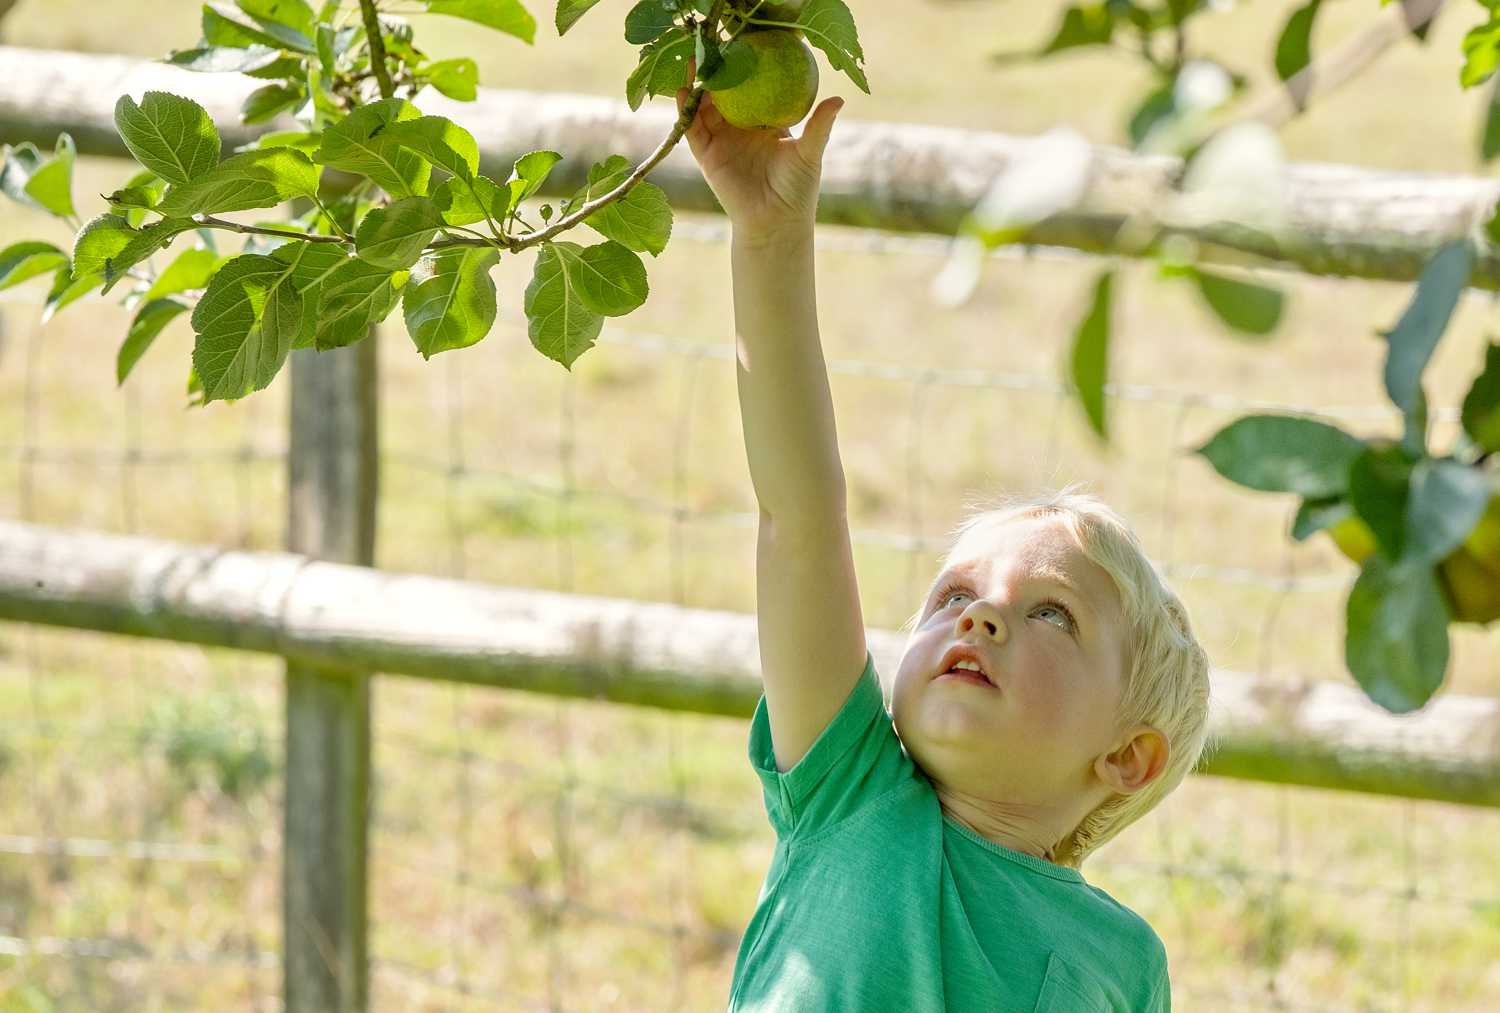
[{"x": 487, "y": 801}]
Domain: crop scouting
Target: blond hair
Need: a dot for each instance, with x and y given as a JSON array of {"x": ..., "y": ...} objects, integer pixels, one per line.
[{"x": 1165, "y": 671}]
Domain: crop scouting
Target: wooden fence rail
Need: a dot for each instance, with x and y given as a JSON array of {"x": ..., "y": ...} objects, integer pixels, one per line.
[
  {"x": 335, "y": 617},
  {"x": 905, "y": 177}
]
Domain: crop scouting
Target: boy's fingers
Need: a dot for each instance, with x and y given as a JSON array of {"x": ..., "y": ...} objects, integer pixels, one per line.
[
  {"x": 815, "y": 134},
  {"x": 709, "y": 113}
]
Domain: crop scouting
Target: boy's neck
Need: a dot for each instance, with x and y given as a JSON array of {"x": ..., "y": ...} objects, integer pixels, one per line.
[{"x": 1020, "y": 828}]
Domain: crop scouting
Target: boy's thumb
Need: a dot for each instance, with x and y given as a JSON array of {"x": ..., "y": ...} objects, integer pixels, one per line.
[{"x": 819, "y": 126}]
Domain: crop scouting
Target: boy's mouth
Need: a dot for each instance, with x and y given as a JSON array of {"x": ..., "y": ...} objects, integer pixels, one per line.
[{"x": 963, "y": 662}]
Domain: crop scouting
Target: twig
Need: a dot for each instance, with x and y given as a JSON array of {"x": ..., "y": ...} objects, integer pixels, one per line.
[
  {"x": 1277, "y": 105},
  {"x": 377, "y": 48},
  {"x": 257, "y": 230},
  {"x": 515, "y": 244}
]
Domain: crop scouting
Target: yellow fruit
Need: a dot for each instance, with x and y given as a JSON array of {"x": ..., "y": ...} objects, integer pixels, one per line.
[
  {"x": 1353, "y": 537},
  {"x": 1470, "y": 576},
  {"x": 781, "y": 89}
]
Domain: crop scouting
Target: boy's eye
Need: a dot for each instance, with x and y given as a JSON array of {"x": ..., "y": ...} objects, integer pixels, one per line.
[
  {"x": 1067, "y": 620},
  {"x": 945, "y": 599}
]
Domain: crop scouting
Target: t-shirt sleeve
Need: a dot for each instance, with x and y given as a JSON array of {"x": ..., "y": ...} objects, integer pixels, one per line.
[
  {"x": 1161, "y": 999},
  {"x": 855, "y": 762}
]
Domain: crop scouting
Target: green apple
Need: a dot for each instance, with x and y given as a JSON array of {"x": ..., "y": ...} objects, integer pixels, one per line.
[{"x": 781, "y": 89}]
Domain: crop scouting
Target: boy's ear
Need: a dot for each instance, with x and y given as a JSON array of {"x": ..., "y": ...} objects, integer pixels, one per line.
[{"x": 1135, "y": 764}]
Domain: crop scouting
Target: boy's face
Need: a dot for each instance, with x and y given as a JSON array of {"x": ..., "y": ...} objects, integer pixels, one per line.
[{"x": 1030, "y": 733}]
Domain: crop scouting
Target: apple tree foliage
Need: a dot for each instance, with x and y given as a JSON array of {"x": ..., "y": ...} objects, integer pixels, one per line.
[
  {"x": 1430, "y": 516},
  {"x": 423, "y": 224}
]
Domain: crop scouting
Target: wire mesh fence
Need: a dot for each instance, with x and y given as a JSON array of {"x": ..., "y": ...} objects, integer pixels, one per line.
[{"x": 530, "y": 853}]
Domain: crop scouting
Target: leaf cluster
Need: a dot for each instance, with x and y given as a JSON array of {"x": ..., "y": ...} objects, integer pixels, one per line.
[
  {"x": 421, "y": 226},
  {"x": 1421, "y": 508}
]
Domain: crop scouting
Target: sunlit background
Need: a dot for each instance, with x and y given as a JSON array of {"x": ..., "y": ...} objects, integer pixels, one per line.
[{"x": 529, "y": 853}]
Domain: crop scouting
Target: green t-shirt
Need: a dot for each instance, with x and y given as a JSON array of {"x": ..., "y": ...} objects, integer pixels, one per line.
[{"x": 876, "y": 901}]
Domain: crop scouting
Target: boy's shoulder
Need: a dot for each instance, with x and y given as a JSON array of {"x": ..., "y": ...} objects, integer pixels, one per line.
[{"x": 1136, "y": 932}]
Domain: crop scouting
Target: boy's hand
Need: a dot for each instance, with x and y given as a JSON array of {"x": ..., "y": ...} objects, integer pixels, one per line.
[{"x": 766, "y": 180}]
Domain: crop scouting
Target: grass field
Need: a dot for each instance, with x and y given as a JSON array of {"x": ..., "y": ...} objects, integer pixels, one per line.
[{"x": 533, "y": 854}]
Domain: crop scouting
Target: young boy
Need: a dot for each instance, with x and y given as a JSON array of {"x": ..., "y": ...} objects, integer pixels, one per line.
[{"x": 1051, "y": 692}]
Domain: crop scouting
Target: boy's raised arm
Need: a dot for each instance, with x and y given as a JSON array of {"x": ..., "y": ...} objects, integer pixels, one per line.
[{"x": 812, "y": 641}]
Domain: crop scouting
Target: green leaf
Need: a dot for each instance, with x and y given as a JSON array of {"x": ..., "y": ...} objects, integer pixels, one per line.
[
  {"x": 393, "y": 237},
  {"x": 297, "y": 15},
  {"x": 829, "y": 26},
  {"x": 1379, "y": 490},
  {"x": 245, "y": 324},
  {"x": 311, "y": 264},
  {"x": 68, "y": 289},
  {"x": 737, "y": 63},
  {"x": 1416, "y": 334},
  {"x": 646, "y": 21},
  {"x": 265, "y": 102},
  {"x": 1082, "y": 25},
  {"x": 568, "y": 13},
  {"x": 662, "y": 67},
  {"x": 1242, "y": 305},
  {"x": 1088, "y": 363},
  {"x": 51, "y": 185},
  {"x": 560, "y": 325},
  {"x": 1294, "y": 46},
  {"x": 532, "y": 169},
  {"x": 706, "y": 53},
  {"x": 262, "y": 178},
  {"x": 1315, "y": 515},
  {"x": 450, "y": 301},
  {"x": 190, "y": 269},
  {"x": 611, "y": 279},
  {"x": 224, "y": 59},
  {"x": 440, "y": 141},
  {"x": 144, "y": 328},
  {"x": 1283, "y": 453},
  {"x": 354, "y": 297},
  {"x": 172, "y": 136},
  {"x": 357, "y": 144},
  {"x": 99, "y": 242},
  {"x": 1489, "y": 137},
  {"x": 289, "y": 67},
  {"x": 16, "y": 169},
  {"x": 224, "y": 25},
  {"x": 464, "y": 203},
  {"x": 302, "y": 140},
  {"x": 1157, "y": 107},
  {"x": 1396, "y": 644},
  {"x": 502, "y": 15},
  {"x": 641, "y": 220},
  {"x": 1447, "y": 500},
  {"x": 1481, "y": 49},
  {"x": 108, "y": 246},
  {"x": 458, "y": 79},
  {"x": 27, "y": 259},
  {"x": 141, "y": 192},
  {"x": 1481, "y": 408}
]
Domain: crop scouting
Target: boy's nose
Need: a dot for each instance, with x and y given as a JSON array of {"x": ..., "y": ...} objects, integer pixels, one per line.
[{"x": 984, "y": 617}]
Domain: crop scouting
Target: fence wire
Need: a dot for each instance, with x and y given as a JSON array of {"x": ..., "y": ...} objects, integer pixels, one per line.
[{"x": 522, "y": 859}]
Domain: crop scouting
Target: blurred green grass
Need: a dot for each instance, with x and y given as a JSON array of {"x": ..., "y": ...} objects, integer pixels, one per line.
[{"x": 486, "y": 801}]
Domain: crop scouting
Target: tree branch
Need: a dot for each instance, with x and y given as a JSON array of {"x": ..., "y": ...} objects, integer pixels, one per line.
[
  {"x": 377, "y": 48},
  {"x": 515, "y": 244},
  {"x": 257, "y": 230},
  {"x": 1275, "y": 106}
]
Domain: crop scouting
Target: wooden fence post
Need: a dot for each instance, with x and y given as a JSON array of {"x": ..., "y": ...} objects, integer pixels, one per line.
[{"x": 331, "y": 487}]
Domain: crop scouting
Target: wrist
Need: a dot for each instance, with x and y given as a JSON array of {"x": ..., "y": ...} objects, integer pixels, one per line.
[{"x": 773, "y": 237}]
